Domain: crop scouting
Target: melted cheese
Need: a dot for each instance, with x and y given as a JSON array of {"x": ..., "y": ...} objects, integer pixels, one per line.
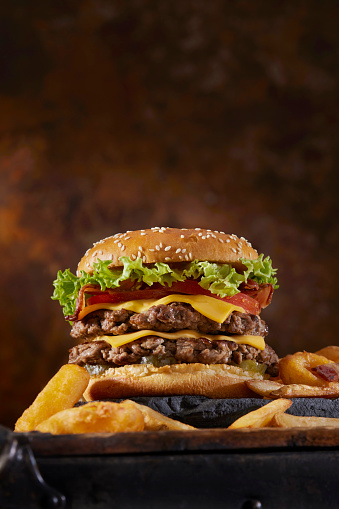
[
  {"x": 115, "y": 341},
  {"x": 215, "y": 309}
]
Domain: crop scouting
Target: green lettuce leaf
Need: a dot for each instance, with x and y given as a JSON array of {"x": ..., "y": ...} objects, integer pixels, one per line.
[{"x": 220, "y": 279}]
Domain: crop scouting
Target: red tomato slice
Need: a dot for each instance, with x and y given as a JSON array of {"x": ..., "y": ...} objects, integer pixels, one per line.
[
  {"x": 249, "y": 304},
  {"x": 116, "y": 297}
]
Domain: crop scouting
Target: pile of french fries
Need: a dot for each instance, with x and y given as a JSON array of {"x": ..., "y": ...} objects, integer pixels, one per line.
[
  {"x": 274, "y": 415},
  {"x": 299, "y": 377},
  {"x": 53, "y": 410},
  {"x": 302, "y": 374}
]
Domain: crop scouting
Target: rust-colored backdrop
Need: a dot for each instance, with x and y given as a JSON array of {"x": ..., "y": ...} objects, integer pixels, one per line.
[{"x": 125, "y": 115}]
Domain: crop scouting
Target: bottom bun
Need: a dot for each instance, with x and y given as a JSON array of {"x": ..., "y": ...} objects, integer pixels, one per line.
[{"x": 211, "y": 380}]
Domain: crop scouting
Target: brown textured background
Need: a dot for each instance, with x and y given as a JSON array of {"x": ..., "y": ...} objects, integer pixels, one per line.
[{"x": 124, "y": 115}]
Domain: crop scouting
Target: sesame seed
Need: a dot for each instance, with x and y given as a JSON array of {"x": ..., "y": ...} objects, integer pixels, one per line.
[
  {"x": 127, "y": 238},
  {"x": 184, "y": 250},
  {"x": 228, "y": 240},
  {"x": 133, "y": 256},
  {"x": 234, "y": 250},
  {"x": 123, "y": 247},
  {"x": 182, "y": 236},
  {"x": 203, "y": 237},
  {"x": 160, "y": 245},
  {"x": 214, "y": 236},
  {"x": 139, "y": 254},
  {"x": 187, "y": 257},
  {"x": 151, "y": 249},
  {"x": 119, "y": 244},
  {"x": 95, "y": 253},
  {"x": 198, "y": 229},
  {"x": 115, "y": 241},
  {"x": 167, "y": 248},
  {"x": 142, "y": 233},
  {"x": 140, "y": 248},
  {"x": 167, "y": 258},
  {"x": 178, "y": 250},
  {"x": 221, "y": 240},
  {"x": 157, "y": 248},
  {"x": 144, "y": 258},
  {"x": 200, "y": 234}
]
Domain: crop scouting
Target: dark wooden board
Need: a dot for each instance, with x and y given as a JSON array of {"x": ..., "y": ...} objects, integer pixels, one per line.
[{"x": 178, "y": 441}]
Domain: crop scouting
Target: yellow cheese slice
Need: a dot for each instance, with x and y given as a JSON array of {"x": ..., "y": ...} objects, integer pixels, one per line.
[
  {"x": 115, "y": 341},
  {"x": 215, "y": 309}
]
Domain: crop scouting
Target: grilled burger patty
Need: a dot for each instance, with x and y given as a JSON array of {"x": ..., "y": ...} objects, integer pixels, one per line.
[
  {"x": 168, "y": 318},
  {"x": 186, "y": 350},
  {"x": 164, "y": 318}
]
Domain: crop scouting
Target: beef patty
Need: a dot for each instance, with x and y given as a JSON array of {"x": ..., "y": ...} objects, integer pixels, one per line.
[
  {"x": 168, "y": 318},
  {"x": 168, "y": 351},
  {"x": 164, "y": 318}
]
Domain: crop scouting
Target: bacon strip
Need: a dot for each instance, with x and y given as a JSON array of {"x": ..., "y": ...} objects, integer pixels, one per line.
[
  {"x": 329, "y": 372},
  {"x": 261, "y": 293},
  {"x": 81, "y": 301},
  {"x": 91, "y": 289}
]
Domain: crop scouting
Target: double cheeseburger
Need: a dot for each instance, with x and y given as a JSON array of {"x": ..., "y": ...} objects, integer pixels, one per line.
[{"x": 169, "y": 311}]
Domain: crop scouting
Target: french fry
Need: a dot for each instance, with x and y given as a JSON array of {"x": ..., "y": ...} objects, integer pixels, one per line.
[
  {"x": 61, "y": 392},
  {"x": 307, "y": 391},
  {"x": 283, "y": 420},
  {"x": 330, "y": 352},
  {"x": 261, "y": 417},
  {"x": 155, "y": 421},
  {"x": 94, "y": 417},
  {"x": 264, "y": 387},
  {"x": 295, "y": 369}
]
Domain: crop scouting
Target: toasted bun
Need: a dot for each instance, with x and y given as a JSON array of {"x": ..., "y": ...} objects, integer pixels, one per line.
[
  {"x": 211, "y": 380},
  {"x": 170, "y": 245}
]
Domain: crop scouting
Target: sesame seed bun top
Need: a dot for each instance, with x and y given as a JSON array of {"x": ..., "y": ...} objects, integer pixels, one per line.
[{"x": 169, "y": 245}]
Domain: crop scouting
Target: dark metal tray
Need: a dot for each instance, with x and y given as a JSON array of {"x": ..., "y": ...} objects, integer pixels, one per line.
[
  {"x": 219, "y": 468},
  {"x": 209, "y": 467}
]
